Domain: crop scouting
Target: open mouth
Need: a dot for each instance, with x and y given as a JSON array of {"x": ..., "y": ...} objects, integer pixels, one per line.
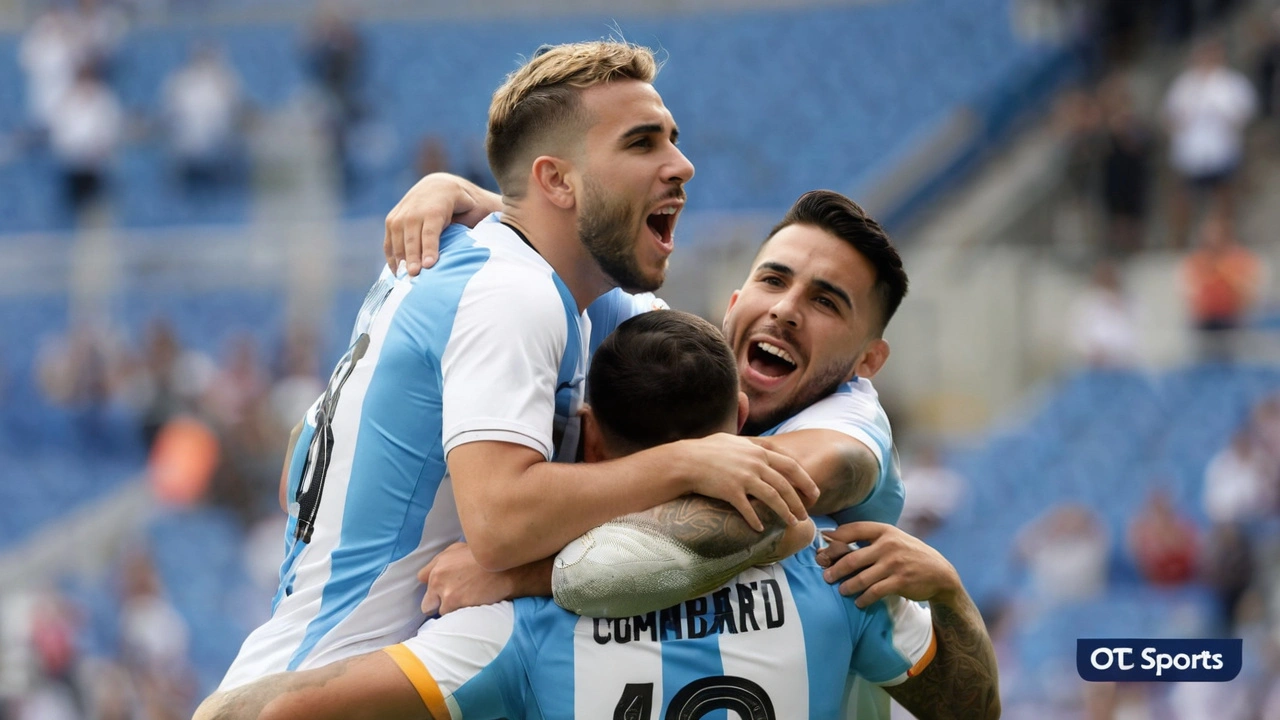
[
  {"x": 770, "y": 360},
  {"x": 662, "y": 223}
]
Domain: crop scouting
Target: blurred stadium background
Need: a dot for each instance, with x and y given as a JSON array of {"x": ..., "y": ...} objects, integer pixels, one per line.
[{"x": 1085, "y": 379}]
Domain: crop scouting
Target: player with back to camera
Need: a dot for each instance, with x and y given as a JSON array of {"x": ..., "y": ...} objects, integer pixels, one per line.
[
  {"x": 774, "y": 642},
  {"x": 462, "y": 383},
  {"x": 823, "y": 287}
]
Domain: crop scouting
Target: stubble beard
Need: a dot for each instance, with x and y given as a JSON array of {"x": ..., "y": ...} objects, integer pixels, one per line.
[{"x": 606, "y": 228}]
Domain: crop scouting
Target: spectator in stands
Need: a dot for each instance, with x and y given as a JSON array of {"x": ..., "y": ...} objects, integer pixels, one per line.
[
  {"x": 166, "y": 380},
  {"x": 1126, "y": 170},
  {"x": 1104, "y": 330},
  {"x": 299, "y": 381},
  {"x": 51, "y": 54},
  {"x": 202, "y": 108},
  {"x": 81, "y": 371},
  {"x": 238, "y": 385},
  {"x": 155, "y": 642},
  {"x": 1163, "y": 543},
  {"x": 55, "y": 623},
  {"x": 1268, "y": 65},
  {"x": 1239, "y": 483},
  {"x": 933, "y": 491},
  {"x": 77, "y": 369},
  {"x": 1207, "y": 110},
  {"x": 1266, "y": 425},
  {"x": 102, "y": 27},
  {"x": 335, "y": 60},
  {"x": 1079, "y": 122},
  {"x": 1228, "y": 568},
  {"x": 1221, "y": 280},
  {"x": 1066, "y": 551},
  {"x": 84, "y": 133}
]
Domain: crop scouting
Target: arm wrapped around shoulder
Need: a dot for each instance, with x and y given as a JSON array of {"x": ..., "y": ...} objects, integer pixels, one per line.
[{"x": 632, "y": 566}]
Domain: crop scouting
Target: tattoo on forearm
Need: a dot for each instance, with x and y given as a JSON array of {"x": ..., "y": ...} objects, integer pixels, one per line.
[
  {"x": 249, "y": 702},
  {"x": 713, "y": 528},
  {"x": 962, "y": 682},
  {"x": 855, "y": 483}
]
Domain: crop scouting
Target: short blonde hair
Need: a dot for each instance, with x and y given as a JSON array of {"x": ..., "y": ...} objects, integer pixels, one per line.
[{"x": 540, "y": 102}]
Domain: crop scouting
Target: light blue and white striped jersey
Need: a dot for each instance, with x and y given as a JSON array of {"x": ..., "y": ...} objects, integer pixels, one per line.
[
  {"x": 776, "y": 642},
  {"x": 854, "y": 409},
  {"x": 486, "y": 345}
]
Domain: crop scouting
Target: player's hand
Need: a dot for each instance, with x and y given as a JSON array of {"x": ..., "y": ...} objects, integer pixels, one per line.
[
  {"x": 455, "y": 580},
  {"x": 886, "y": 561},
  {"x": 735, "y": 469},
  {"x": 436, "y": 201}
]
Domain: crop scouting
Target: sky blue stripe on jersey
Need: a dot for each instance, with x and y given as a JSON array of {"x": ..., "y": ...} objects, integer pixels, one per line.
[
  {"x": 571, "y": 378},
  {"x": 297, "y": 461},
  {"x": 607, "y": 313},
  {"x": 497, "y": 691},
  {"x": 875, "y": 657},
  {"x": 690, "y": 658},
  {"x": 820, "y": 608},
  {"x": 545, "y": 635},
  {"x": 395, "y": 474}
]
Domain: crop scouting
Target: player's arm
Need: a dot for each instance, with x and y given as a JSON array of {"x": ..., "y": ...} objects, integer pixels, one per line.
[
  {"x": 517, "y": 508},
  {"x": 366, "y": 687},
  {"x": 653, "y": 559},
  {"x": 962, "y": 681},
  {"x": 843, "y": 467},
  {"x": 414, "y": 225},
  {"x": 455, "y": 580}
]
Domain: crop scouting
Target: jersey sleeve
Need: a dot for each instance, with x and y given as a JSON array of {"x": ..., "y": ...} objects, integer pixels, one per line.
[
  {"x": 465, "y": 665},
  {"x": 616, "y": 307},
  {"x": 896, "y": 641},
  {"x": 501, "y": 364},
  {"x": 859, "y": 415}
]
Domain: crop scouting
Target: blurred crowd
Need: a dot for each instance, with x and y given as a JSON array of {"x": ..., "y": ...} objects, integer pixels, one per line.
[
  {"x": 242, "y": 403},
  {"x": 130, "y": 663},
  {"x": 70, "y": 59},
  {"x": 1171, "y": 179}
]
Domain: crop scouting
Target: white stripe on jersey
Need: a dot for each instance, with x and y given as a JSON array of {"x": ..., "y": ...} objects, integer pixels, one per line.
[
  {"x": 763, "y": 656},
  {"x": 601, "y": 673},
  {"x": 366, "y": 630}
]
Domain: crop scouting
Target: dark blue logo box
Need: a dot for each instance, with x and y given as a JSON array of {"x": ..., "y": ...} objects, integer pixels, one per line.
[{"x": 1139, "y": 660}]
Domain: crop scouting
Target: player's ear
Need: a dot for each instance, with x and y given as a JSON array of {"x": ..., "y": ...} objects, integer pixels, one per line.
[
  {"x": 552, "y": 176},
  {"x": 592, "y": 441},
  {"x": 744, "y": 409},
  {"x": 733, "y": 300},
  {"x": 873, "y": 358}
]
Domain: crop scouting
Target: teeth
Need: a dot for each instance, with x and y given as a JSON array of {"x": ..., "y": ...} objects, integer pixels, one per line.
[
  {"x": 666, "y": 211},
  {"x": 775, "y": 350}
]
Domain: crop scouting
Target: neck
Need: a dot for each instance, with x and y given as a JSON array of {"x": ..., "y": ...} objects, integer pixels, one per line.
[{"x": 554, "y": 234}]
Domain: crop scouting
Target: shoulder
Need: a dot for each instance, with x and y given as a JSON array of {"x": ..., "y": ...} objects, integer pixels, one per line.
[
  {"x": 488, "y": 274},
  {"x": 854, "y": 408}
]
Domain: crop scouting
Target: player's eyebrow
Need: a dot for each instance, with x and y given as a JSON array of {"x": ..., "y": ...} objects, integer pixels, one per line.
[
  {"x": 824, "y": 285},
  {"x": 834, "y": 290},
  {"x": 776, "y": 267},
  {"x": 650, "y": 129}
]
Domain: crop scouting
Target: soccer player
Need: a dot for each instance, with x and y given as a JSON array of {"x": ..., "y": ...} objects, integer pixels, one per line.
[
  {"x": 461, "y": 384},
  {"x": 821, "y": 290},
  {"x": 775, "y": 642}
]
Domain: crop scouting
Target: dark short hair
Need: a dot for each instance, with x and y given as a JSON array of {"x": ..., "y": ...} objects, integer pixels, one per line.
[
  {"x": 830, "y": 211},
  {"x": 662, "y": 376}
]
